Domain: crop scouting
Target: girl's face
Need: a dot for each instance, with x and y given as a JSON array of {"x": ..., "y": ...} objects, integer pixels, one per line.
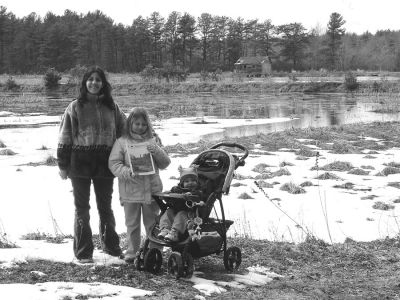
[
  {"x": 139, "y": 125},
  {"x": 190, "y": 182},
  {"x": 94, "y": 83}
]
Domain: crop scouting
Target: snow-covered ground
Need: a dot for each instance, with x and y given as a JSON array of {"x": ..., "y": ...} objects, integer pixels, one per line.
[{"x": 35, "y": 199}]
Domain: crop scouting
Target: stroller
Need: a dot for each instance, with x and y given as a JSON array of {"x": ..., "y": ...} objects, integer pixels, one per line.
[{"x": 215, "y": 172}]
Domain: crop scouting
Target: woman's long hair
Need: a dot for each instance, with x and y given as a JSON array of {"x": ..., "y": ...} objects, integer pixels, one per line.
[{"x": 105, "y": 91}]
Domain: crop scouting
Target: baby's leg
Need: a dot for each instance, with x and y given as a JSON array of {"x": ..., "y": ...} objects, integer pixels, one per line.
[
  {"x": 180, "y": 221},
  {"x": 167, "y": 219}
]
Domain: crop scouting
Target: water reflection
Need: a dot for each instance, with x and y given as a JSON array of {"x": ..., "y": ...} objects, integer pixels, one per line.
[{"x": 304, "y": 109}]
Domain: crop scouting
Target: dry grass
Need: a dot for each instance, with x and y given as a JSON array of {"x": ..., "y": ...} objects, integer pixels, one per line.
[
  {"x": 7, "y": 152},
  {"x": 358, "y": 171},
  {"x": 341, "y": 166},
  {"x": 382, "y": 206},
  {"x": 292, "y": 188},
  {"x": 261, "y": 168},
  {"x": 281, "y": 172},
  {"x": 388, "y": 171},
  {"x": 245, "y": 196},
  {"x": 327, "y": 176}
]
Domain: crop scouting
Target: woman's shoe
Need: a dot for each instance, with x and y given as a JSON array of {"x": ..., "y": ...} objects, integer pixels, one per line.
[{"x": 86, "y": 260}]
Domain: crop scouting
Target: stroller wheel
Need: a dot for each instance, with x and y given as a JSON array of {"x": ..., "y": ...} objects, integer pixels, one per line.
[
  {"x": 232, "y": 258},
  {"x": 175, "y": 264},
  {"x": 139, "y": 260},
  {"x": 153, "y": 261},
  {"x": 187, "y": 261}
]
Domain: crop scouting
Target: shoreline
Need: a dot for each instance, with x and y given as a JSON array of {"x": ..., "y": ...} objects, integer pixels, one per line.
[{"x": 259, "y": 86}]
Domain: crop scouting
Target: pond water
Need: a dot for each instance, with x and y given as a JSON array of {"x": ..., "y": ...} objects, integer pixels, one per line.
[{"x": 303, "y": 110}]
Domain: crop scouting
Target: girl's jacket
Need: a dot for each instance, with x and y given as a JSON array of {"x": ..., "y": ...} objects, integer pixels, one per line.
[{"x": 138, "y": 188}]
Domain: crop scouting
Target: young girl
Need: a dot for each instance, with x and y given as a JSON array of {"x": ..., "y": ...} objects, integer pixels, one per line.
[
  {"x": 135, "y": 190},
  {"x": 88, "y": 130}
]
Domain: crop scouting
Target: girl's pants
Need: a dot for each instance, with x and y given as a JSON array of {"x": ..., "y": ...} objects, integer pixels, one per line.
[
  {"x": 83, "y": 244},
  {"x": 178, "y": 220},
  {"x": 133, "y": 212}
]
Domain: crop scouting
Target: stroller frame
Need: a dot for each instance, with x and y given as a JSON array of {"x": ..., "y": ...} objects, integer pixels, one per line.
[{"x": 215, "y": 183}]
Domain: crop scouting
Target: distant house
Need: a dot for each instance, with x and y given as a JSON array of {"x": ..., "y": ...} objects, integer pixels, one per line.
[{"x": 253, "y": 66}]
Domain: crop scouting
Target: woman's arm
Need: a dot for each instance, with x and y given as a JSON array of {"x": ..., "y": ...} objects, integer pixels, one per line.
[{"x": 65, "y": 143}]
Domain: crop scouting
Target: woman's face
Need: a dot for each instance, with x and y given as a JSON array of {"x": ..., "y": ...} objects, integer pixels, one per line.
[
  {"x": 94, "y": 83},
  {"x": 139, "y": 125}
]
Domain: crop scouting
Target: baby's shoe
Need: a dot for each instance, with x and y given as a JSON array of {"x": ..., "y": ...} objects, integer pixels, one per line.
[
  {"x": 163, "y": 233},
  {"x": 172, "y": 236}
]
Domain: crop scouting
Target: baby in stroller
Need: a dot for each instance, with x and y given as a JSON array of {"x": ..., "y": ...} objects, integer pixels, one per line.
[
  {"x": 185, "y": 223},
  {"x": 175, "y": 220}
]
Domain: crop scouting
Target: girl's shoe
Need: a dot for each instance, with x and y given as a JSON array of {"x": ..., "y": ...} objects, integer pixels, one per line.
[
  {"x": 172, "y": 236},
  {"x": 163, "y": 233}
]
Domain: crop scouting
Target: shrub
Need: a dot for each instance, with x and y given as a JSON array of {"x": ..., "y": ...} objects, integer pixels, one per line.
[
  {"x": 11, "y": 84},
  {"x": 51, "y": 78},
  {"x": 350, "y": 81},
  {"x": 76, "y": 74}
]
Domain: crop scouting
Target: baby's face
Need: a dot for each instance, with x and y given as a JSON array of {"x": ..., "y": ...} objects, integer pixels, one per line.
[{"x": 190, "y": 183}]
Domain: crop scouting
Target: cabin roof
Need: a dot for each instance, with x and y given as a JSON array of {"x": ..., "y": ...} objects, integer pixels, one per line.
[{"x": 251, "y": 60}]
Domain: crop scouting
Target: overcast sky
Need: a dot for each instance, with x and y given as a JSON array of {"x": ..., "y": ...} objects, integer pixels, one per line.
[{"x": 360, "y": 15}]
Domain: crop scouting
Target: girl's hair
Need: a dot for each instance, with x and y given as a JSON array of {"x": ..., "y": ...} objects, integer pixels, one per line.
[
  {"x": 105, "y": 92},
  {"x": 139, "y": 112}
]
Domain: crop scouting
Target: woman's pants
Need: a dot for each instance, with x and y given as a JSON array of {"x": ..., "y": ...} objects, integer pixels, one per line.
[
  {"x": 83, "y": 244},
  {"x": 133, "y": 212}
]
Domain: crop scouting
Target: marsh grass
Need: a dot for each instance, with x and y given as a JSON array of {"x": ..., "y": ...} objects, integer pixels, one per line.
[
  {"x": 264, "y": 184},
  {"x": 347, "y": 186},
  {"x": 7, "y": 152},
  {"x": 292, "y": 188},
  {"x": 388, "y": 171},
  {"x": 367, "y": 167},
  {"x": 245, "y": 196},
  {"x": 358, "y": 171},
  {"x": 306, "y": 183},
  {"x": 285, "y": 163},
  {"x": 281, "y": 172},
  {"x": 382, "y": 206},
  {"x": 261, "y": 168},
  {"x": 394, "y": 184},
  {"x": 340, "y": 166},
  {"x": 237, "y": 184},
  {"x": 327, "y": 176},
  {"x": 393, "y": 164},
  {"x": 306, "y": 152}
]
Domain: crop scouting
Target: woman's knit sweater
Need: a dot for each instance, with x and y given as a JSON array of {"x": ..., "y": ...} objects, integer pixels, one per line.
[{"x": 87, "y": 133}]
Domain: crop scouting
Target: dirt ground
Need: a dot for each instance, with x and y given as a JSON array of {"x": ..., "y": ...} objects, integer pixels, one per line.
[{"x": 310, "y": 270}]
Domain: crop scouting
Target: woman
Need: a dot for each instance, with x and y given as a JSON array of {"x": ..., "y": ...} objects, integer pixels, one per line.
[{"x": 88, "y": 129}]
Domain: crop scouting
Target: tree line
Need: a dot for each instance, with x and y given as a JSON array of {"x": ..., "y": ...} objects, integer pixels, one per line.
[{"x": 33, "y": 44}]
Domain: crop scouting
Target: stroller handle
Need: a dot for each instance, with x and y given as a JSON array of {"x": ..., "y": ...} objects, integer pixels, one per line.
[{"x": 240, "y": 161}]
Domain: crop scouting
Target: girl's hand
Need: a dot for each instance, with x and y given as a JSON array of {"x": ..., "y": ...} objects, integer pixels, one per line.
[{"x": 151, "y": 148}]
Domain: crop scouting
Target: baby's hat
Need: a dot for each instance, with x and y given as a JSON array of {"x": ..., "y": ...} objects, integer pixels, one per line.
[{"x": 185, "y": 172}]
